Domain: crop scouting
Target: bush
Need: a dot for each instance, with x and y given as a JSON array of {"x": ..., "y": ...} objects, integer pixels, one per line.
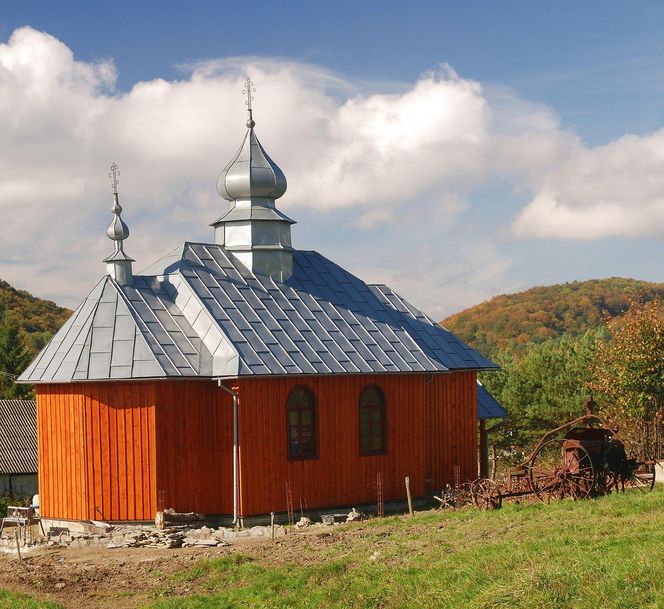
[{"x": 7, "y": 499}]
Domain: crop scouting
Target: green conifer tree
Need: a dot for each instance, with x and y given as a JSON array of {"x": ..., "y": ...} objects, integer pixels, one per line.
[{"x": 14, "y": 358}]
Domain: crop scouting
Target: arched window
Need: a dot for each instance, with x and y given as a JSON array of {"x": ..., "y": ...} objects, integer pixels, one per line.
[
  {"x": 373, "y": 423},
  {"x": 301, "y": 424}
]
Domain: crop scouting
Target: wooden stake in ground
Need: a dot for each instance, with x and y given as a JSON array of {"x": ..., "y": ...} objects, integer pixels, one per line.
[
  {"x": 272, "y": 524},
  {"x": 494, "y": 462},
  {"x": 410, "y": 499},
  {"x": 18, "y": 545},
  {"x": 289, "y": 504},
  {"x": 380, "y": 505}
]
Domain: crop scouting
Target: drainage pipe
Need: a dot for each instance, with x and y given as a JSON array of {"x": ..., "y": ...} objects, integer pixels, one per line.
[{"x": 236, "y": 482}]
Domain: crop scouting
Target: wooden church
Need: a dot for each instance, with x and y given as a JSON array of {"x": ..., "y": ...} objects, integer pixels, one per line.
[{"x": 239, "y": 377}]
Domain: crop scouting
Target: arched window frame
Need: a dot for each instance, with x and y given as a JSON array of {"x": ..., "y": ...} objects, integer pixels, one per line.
[
  {"x": 301, "y": 427},
  {"x": 382, "y": 409}
]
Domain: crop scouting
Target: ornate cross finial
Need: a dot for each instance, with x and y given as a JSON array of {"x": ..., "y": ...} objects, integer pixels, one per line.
[
  {"x": 248, "y": 90},
  {"x": 115, "y": 173}
]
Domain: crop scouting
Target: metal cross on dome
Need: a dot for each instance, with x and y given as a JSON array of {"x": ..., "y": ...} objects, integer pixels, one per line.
[
  {"x": 115, "y": 173},
  {"x": 248, "y": 90}
]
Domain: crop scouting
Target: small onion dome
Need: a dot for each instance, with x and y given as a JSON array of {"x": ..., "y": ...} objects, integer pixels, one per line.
[
  {"x": 252, "y": 173},
  {"x": 117, "y": 230}
]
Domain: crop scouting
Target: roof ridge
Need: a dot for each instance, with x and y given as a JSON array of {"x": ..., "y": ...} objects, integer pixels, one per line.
[{"x": 87, "y": 323}]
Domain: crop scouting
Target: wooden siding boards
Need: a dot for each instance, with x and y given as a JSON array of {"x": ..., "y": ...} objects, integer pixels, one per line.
[
  {"x": 451, "y": 428},
  {"x": 122, "y": 450},
  {"x": 59, "y": 454},
  {"x": 194, "y": 447},
  {"x": 90, "y": 468},
  {"x": 431, "y": 428}
]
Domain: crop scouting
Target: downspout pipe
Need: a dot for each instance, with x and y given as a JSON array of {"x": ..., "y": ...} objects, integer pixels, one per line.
[{"x": 236, "y": 480}]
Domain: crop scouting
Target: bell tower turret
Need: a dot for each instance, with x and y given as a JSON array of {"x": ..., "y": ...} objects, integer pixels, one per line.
[{"x": 253, "y": 229}]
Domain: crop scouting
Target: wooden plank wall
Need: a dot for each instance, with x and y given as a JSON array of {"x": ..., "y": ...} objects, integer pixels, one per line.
[
  {"x": 451, "y": 424},
  {"x": 97, "y": 450},
  {"x": 431, "y": 427},
  {"x": 194, "y": 447},
  {"x": 61, "y": 451},
  {"x": 122, "y": 450}
]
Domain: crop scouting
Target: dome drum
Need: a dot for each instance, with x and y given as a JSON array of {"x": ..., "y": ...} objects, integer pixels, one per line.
[
  {"x": 267, "y": 261},
  {"x": 247, "y": 234}
]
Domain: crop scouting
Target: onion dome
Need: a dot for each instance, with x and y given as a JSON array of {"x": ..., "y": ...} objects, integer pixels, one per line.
[
  {"x": 251, "y": 173},
  {"x": 117, "y": 230},
  {"x": 118, "y": 264}
]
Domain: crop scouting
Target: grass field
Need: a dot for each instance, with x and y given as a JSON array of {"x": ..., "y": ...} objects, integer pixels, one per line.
[
  {"x": 11, "y": 600},
  {"x": 603, "y": 554}
]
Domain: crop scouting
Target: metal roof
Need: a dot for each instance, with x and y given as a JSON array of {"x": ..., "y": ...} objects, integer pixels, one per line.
[
  {"x": 18, "y": 437},
  {"x": 487, "y": 405},
  {"x": 200, "y": 312},
  {"x": 123, "y": 332}
]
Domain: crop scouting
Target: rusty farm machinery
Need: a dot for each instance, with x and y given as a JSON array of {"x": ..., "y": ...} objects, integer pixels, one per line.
[{"x": 582, "y": 458}]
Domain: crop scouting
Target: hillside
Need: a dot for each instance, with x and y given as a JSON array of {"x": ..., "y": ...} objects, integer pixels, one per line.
[
  {"x": 511, "y": 321},
  {"x": 38, "y": 318}
]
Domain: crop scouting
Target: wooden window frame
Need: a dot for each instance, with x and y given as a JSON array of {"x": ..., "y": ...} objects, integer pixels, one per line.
[
  {"x": 383, "y": 408},
  {"x": 314, "y": 425}
]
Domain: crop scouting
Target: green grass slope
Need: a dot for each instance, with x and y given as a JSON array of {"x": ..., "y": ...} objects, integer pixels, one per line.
[
  {"x": 513, "y": 321},
  {"x": 602, "y": 553},
  {"x": 38, "y": 318},
  {"x": 13, "y": 600},
  {"x": 598, "y": 553}
]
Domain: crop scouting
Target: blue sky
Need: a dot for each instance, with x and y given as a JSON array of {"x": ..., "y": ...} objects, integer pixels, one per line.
[
  {"x": 551, "y": 187},
  {"x": 599, "y": 64}
]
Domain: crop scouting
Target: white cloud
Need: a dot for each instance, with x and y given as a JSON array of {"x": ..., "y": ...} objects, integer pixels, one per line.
[
  {"x": 389, "y": 163},
  {"x": 591, "y": 193}
]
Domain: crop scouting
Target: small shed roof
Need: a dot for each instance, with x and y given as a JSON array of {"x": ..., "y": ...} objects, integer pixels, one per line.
[
  {"x": 487, "y": 406},
  {"x": 200, "y": 312},
  {"x": 18, "y": 437}
]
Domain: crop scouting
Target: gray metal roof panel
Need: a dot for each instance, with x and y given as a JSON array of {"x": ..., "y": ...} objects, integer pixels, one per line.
[
  {"x": 116, "y": 327},
  {"x": 120, "y": 372},
  {"x": 99, "y": 365}
]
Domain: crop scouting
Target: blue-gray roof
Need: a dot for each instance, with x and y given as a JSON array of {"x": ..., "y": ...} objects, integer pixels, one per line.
[
  {"x": 487, "y": 406},
  {"x": 200, "y": 312},
  {"x": 122, "y": 333}
]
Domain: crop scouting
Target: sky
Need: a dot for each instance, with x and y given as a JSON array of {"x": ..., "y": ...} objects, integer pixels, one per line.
[{"x": 453, "y": 150}]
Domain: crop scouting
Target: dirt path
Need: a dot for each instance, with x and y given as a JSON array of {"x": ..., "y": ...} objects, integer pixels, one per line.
[
  {"x": 101, "y": 578},
  {"x": 127, "y": 578}
]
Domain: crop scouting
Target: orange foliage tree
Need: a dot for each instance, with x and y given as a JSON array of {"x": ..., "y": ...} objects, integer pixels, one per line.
[{"x": 628, "y": 370}]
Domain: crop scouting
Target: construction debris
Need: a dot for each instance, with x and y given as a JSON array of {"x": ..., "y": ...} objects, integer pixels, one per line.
[
  {"x": 354, "y": 516},
  {"x": 187, "y": 534},
  {"x": 303, "y": 522},
  {"x": 155, "y": 538},
  {"x": 333, "y": 518},
  {"x": 170, "y": 517}
]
